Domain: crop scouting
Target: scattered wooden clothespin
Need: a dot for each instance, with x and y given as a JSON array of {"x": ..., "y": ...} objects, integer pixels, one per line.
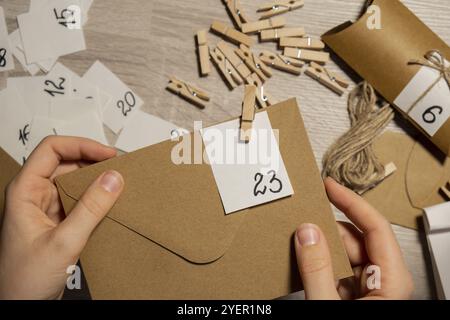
[
  {"x": 235, "y": 10},
  {"x": 307, "y": 55},
  {"x": 195, "y": 96},
  {"x": 248, "y": 113},
  {"x": 229, "y": 73},
  {"x": 446, "y": 190},
  {"x": 281, "y": 62},
  {"x": 389, "y": 169},
  {"x": 275, "y": 34},
  {"x": 231, "y": 34},
  {"x": 254, "y": 63},
  {"x": 203, "y": 52},
  {"x": 303, "y": 43},
  {"x": 263, "y": 99},
  {"x": 279, "y": 7},
  {"x": 257, "y": 26},
  {"x": 327, "y": 78},
  {"x": 231, "y": 56}
]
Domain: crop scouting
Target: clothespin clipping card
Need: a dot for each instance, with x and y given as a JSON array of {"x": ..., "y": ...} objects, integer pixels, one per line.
[
  {"x": 257, "y": 26},
  {"x": 193, "y": 95},
  {"x": 229, "y": 73},
  {"x": 327, "y": 78},
  {"x": 303, "y": 43},
  {"x": 281, "y": 62},
  {"x": 307, "y": 55},
  {"x": 254, "y": 63},
  {"x": 203, "y": 52},
  {"x": 231, "y": 56},
  {"x": 263, "y": 99},
  {"x": 446, "y": 190},
  {"x": 279, "y": 7},
  {"x": 248, "y": 113},
  {"x": 275, "y": 34},
  {"x": 231, "y": 34},
  {"x": 235, "y": 10}
]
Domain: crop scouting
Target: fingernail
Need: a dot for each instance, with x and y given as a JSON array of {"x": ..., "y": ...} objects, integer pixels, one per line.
[
  {"x": 111, "y": 181},
  {"x": 307, "y": 235}
]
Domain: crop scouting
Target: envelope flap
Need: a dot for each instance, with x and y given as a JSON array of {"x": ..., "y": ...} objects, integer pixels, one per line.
[
  {"x": 428, "y": 169},
  {"x": 163, "y": 202}
]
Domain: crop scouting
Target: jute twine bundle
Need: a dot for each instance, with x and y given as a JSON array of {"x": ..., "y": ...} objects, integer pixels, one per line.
[{"x": 351, "y": 160}]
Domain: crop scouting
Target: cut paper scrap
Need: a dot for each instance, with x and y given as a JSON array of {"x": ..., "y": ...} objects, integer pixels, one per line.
[
  {"x": 87, "y": 125},
  {"x": 16, "y": 43},
  {"x": 144, "y": 130},
  {"x": 6, "y": 50}
]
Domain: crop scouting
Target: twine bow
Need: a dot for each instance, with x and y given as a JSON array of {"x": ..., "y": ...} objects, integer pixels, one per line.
[{"x": 433, "y": 59}]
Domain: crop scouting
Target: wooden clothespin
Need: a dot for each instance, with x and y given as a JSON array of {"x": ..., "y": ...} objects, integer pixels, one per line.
[
  {"x": 327, "y": 78},
  {"x": 263, "y": 99},
  {"x": 307, "y": 55},
  {"x": 229, "y": 73},
  {"x": 231, "y": 56},
  {"x": 203, "y": 52},
  {"x": 254, "y": 63},
  {"x": 195, "y": 96},
  {"x": 275, "y": 34},
  {"x": 248, "y": 113},
  {"x": 279, "y": 7},
  {"x": 231, "y": 34},
  {"x": 257, "y": 26},
  {"x": 303, "y": 43},
  {"x": 235, "y": 10},
  {"x": 389, "y": 169},
  {"x": 446, "y": 190},
  {"x": 281, "y": 62}
]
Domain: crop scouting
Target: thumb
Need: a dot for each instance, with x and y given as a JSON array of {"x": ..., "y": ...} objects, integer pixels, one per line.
[
  {"x": 314, "y": 263},
  {"x": 93, "y": 206}
]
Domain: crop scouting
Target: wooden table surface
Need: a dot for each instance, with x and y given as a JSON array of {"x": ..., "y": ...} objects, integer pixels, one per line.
[{"x": 144, "y": 42}]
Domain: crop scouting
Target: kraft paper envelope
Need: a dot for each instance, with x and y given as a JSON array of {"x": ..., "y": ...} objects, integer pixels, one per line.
[
  {"x": 168, "y": 236},
  {"x": 8, "y": 169},
  {"x": 421, "y": 171},
  {"x": 382, "y": 56}
]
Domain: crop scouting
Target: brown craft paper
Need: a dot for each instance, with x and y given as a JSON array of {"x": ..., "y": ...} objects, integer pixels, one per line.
[
  {"x": 416, "y": 183},
  {"x": 381, "y": 56},
  {"x": 169, "y": 238},
  {"x": 8, "y": 169}
]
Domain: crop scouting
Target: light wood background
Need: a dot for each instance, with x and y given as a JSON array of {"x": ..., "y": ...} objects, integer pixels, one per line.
[{"x": 145, "y": 41}]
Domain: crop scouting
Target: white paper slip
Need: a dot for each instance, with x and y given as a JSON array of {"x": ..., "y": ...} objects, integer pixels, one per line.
[
  {"x": 37, "y": 92},
  {"x": 15, "y": 125},
  {"x": 124, "y": 102},
  {"x": 85, "y": 6},
  {"x": 87, "y": 125},
  {"x": 249, "y": 174},
  {"x": 16, "y": 43},
  {"x": 433, "y": 110},
  {"x": 6, "y": 49},
  {"x": 67, "y": 110},
  {"x": 41, "y": 127},
  {"x": 144, "y": 130},
  {"x": 51, "y": 31}
]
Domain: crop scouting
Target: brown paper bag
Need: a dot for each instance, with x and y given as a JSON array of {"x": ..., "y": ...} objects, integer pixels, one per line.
[
  {"x": 169, "y": 238},
  {"x": 382, "y": 56}
]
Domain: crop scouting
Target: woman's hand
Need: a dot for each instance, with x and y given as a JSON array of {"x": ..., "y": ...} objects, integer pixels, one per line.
[
  {"x": 37, "y": 242},
  {"x": 375, "y": 245}
]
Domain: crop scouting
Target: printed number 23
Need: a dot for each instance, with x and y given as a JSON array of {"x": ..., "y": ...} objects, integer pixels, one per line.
[
  {"x": 274, "y": 182},
  {"x": 127, "y": 104}
]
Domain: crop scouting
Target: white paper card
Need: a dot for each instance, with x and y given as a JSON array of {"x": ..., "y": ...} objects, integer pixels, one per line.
[
  {"x": 6, "y": 51},
  {"x": 87, "y": 125},
  {"x": 41, "y": 127},
  {"x": 249, "y": 174},
  {"x": 47, "y": 32},
  {"x": 67, "y": 110},
  {"x": 16, "y": 43},
  {"x": 15, "y": 125},
  {"x": 433, "y": 110},
  {"x": 144, "y": 130},
  {"x": 124, "y": 102}
]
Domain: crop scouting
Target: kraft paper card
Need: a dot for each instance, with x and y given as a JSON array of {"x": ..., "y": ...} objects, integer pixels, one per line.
[
  {"x": 168, "y": 236},
  {"x": 9, "y": 169},
  {"x": 382, "y": 56},
  {"x": 416, "y": 183}
]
